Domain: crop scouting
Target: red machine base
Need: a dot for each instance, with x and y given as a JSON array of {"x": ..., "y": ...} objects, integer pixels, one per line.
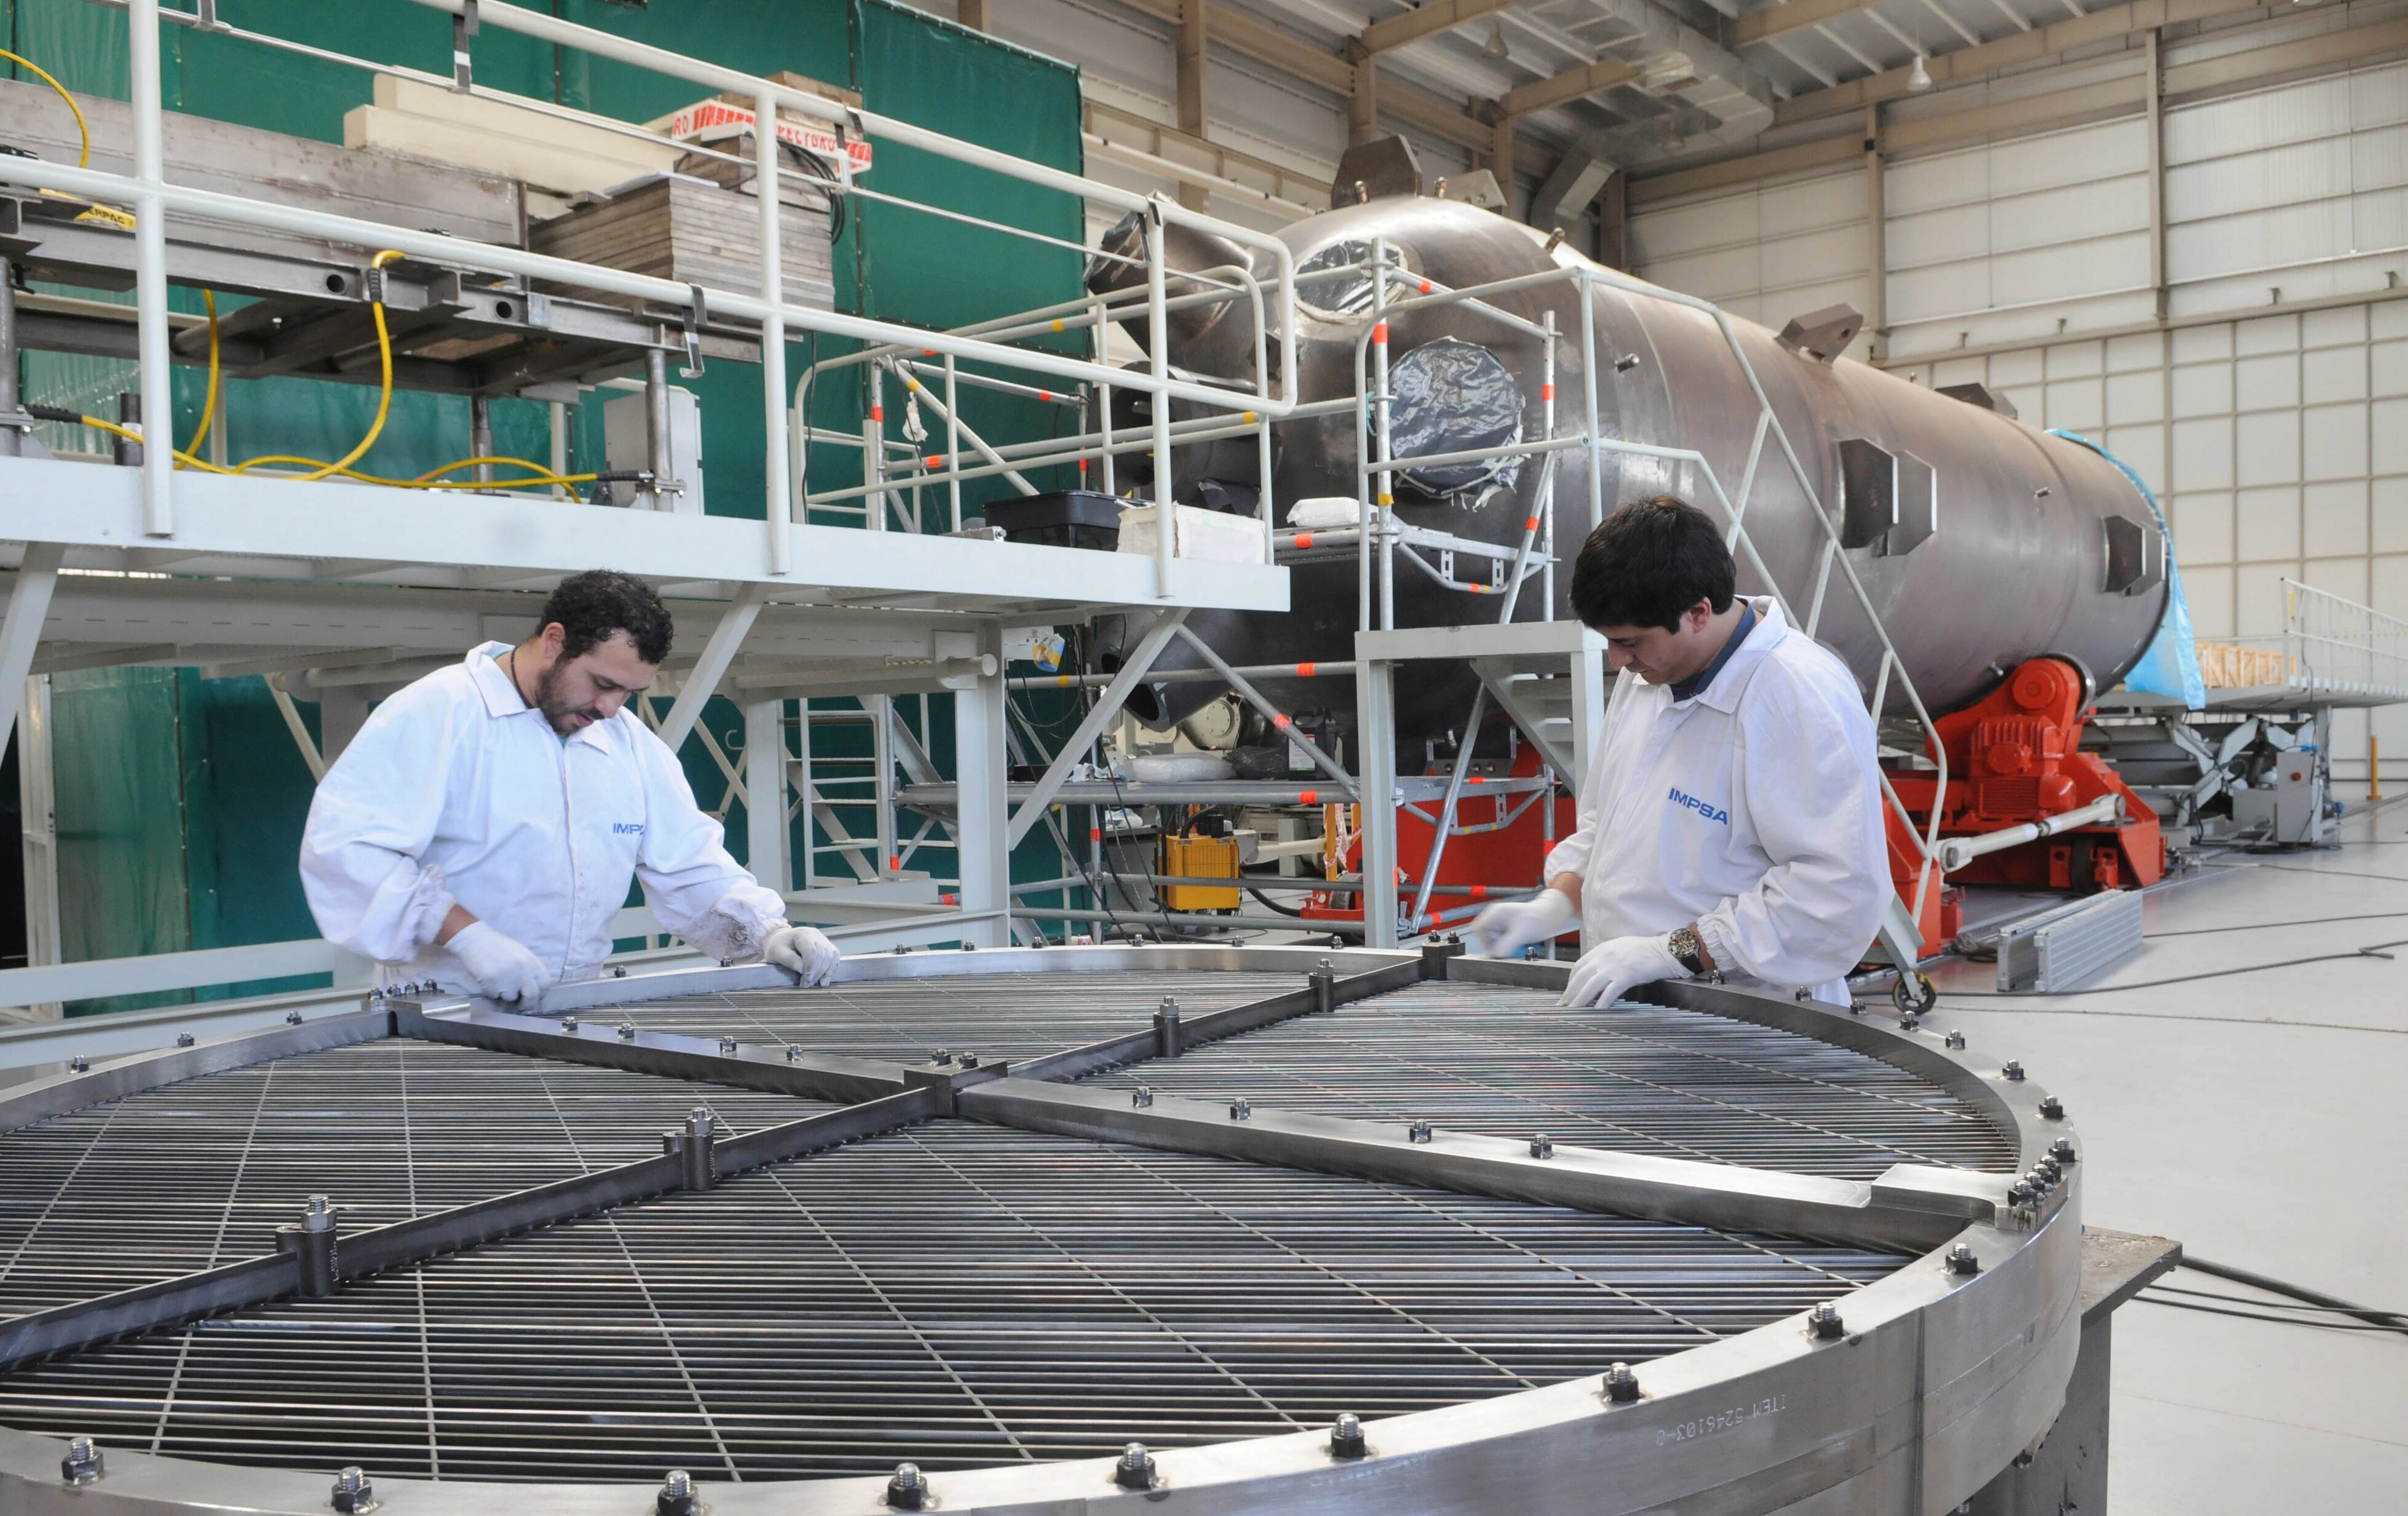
[{"x": 2017, "y": 758}]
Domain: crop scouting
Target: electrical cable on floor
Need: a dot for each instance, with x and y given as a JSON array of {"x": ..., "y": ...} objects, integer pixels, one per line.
[
  {"x": 2177, "y": 1016},
  {"x": 2374, "y": 949},
  {"x": 2297, "y": 1292},
  {"x": 2147, "y": 1299},
  {"x": 2262, "y": 927},
  {"x": 2252, "y": 1300}
]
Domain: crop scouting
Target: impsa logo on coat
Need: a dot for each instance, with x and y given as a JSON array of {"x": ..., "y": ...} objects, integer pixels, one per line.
[
  {"x": 1700, "y": 807},
  {"x": 627, "y": 828}
]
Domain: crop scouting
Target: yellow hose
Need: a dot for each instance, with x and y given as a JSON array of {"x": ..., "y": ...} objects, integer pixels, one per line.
[
  {"x": 385, "y": 387},
  {"x": 209, "y": 401},
  {"x": 543, "y": 478},
  {"x": 83, "y": 160}
]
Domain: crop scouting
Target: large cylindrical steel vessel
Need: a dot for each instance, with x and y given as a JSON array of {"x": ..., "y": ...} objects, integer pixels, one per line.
[{"x": 2010, "y": 543}]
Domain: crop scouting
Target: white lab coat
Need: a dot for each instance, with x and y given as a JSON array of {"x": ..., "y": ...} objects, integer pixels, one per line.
[
  {"x": 1751, "y": 809},
  {"x": 455, "y": 790}
]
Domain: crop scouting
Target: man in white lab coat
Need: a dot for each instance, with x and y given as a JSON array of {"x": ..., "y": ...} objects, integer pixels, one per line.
[
  {"x": 481, "y": 831},
  {"x": 1730, "y": 820}
]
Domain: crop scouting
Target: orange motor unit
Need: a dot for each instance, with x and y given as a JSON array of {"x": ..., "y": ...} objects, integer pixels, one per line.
[{"x": 2017, "y": 758}]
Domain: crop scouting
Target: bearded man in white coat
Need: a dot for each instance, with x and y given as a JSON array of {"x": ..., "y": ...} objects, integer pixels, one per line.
[
  {"x": 1731, "y": 821},
  {"x": 481, "y": 831}
]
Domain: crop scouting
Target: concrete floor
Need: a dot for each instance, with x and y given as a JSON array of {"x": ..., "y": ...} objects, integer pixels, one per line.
[{"x": 2262, "y": 1119}]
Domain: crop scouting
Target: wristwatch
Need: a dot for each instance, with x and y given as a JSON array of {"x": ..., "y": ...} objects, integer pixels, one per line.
[{"x": 1686, "y": 947}]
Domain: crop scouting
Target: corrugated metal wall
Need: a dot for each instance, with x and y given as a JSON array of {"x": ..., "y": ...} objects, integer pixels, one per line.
[{"x": 2279, "y": 443}]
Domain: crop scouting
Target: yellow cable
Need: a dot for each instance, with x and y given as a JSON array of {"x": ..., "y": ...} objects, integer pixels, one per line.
[
  {"x": 385, "y": 387},
  {"x": 209, "y": 401},
  {"x": 82, "y": 127},
  {"x": 545, "y": 479},
  {"x": 528, "y": 464}
]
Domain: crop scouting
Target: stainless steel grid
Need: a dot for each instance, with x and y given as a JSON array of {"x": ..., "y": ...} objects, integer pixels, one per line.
[
  {"x": 1009, "y": 1016},
  {"x": 1638, "y": 1077},
  {"x": 956, "y": 1295},
  {"x": 201, "y": 1173}
]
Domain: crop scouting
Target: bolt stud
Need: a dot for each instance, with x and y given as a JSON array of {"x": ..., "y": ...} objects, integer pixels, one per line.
[
  {"x": 1240, "y": 1110},
  {"x": 1621, "y": 1384},
  {"x": 1418, "y": 1132},
  {"x": 353, "y": 1491},
  {"x": 184, "y": 1040},
  {"x": 793, "y": 1052},
  {"x": 677, "y": 1496},
  {"x": 2062, "y": 1150},
  {"x": 1961, "y": 1259},
  {"x": 1346, "y": 1437},
  {"x": 906, "y": 1489},
  {"x": 1543, "y": 1146},
  {"x": 292, "y": 1018},
  {"x": 80, "y": 1064},
  {"x": 627, "y": 1031},
  {"x": 2014, "y": 1071},
  {"x": 1956, "y": 1041},
  {"x": 84, "y": 1462},
  {"x": 2052, "y": 1108},
  {"x": 727, "y": 1046},
  {"x": 569, "y": 1023},
  {"x": 1824, "y": 1321},
  {"x": 1135, "y": 1470},
  {"x": 1142, "y": 1096}
]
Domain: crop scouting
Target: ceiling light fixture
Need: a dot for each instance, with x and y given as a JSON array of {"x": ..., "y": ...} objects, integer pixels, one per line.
[
  {"x": 1494, "y": 49},
  {"x": 1918, "y": 79}
]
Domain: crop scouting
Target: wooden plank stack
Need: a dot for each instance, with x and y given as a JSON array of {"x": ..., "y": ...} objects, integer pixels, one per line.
[
  {"x": 2224, "y": 666},
  {"x": 685, "y": 228}
]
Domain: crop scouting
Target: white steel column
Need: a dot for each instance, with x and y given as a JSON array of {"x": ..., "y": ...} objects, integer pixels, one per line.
[
  {"x": 150, "y": 278},
  {"x": 765, "y": 794},
  {"x": 980, "y": 773},
  {"x": 342, "y": 711},
  {"x": 37, "y": 805},
  {"x": 1376, "y": 737},
  {"x": 778, "y": 486}
]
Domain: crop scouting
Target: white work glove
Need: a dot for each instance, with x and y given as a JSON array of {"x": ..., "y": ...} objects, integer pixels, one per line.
[
  {"x": 1611, "y": 970},
  {"x": 806, "y": 951},
  {"x": 1507, "y": 927},
  {"x": 501, "y": 965}
]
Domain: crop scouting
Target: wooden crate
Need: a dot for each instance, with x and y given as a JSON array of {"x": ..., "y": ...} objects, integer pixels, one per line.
[{"x": 690, "y": 231}]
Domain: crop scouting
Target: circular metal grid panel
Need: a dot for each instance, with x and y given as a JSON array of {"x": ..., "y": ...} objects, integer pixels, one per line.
[{"x": 956, "y": 1295}]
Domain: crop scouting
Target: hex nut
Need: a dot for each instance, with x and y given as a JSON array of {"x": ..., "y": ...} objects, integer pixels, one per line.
[
  {"x": 676, "y": 1497},
  {"x": 727, "y": 1046},
  {"x": 1961, "y": 1259},
  {"x": 2062, "y": 1150},
  {"x": 1543, "y": 1146},
  {"x": 1824, "y": 1321},
  {"x": 793, "y": 1052},
  {"x": 184, "y": 1040},
  {"x": 1346, "y": 1437},
  {"x": 2052, "y": 1108},
  {"x": 1240, "y": 1110},
  {"x": 627, "y": 1031},
  {"x": 1141, "y": 1097},
  {"x": 1956, "y": 1041},
  {"x": 83, "y": 1464},
  {"x": 292, "y": 1018},
  {"x": 1418, "y": 1132},
  {"x": 2013, "y": 1071},
  {"x": 569, "y": 1023},
  {"x": 353, "y": 1491},
  {"x": 1135, "y": 1469},
  {"x": 1621, "y": 1384},
  {"x": 906, "y": 1489}
]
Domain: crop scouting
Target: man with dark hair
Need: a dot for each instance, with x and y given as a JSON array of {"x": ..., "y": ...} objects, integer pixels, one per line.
[
  {"x": 481, "y": 830},
  {"x": 1731, "y": 819}
]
